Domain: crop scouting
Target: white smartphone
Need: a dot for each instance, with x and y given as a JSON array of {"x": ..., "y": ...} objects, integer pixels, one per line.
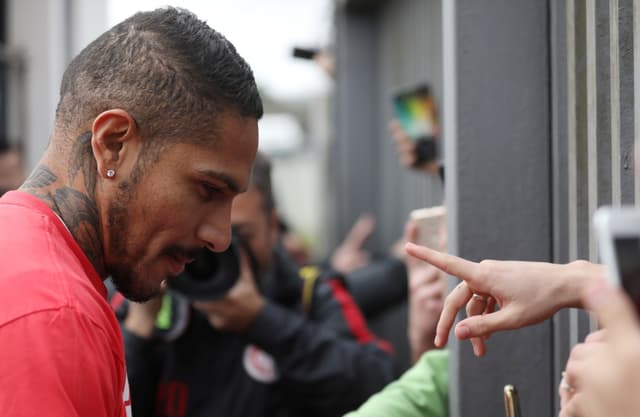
[
  {"x": 430, "y": 223},
  {"x": 618, "y": 234}
]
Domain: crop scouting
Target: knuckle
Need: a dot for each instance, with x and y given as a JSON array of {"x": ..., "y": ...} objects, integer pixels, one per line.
[
  {"x": 485, "y": 269},
  {"x": 595, "y": 336}
]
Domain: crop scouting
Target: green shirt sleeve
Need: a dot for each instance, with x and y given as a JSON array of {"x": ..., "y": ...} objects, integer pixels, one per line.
[{"x": 423, "y": 391}]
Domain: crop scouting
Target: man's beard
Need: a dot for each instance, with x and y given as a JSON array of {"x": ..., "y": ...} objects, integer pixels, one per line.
[{"x": 121, "y": 268}]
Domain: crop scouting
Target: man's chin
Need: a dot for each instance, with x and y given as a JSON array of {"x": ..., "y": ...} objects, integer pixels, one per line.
[{"x": 139, "y": 295}]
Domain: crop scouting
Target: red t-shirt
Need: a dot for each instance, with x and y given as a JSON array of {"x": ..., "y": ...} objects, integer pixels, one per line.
[{"x": 61, "y": 352}]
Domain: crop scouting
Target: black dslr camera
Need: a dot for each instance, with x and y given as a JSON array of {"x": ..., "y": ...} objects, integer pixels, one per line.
[{"x": 211, "y": 275}]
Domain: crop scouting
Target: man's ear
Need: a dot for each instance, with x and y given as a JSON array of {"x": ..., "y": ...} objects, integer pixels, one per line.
[{"x": 114, "y": 140}]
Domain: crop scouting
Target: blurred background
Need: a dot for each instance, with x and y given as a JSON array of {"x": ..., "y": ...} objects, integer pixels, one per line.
[{"x": 540, "y": 107}]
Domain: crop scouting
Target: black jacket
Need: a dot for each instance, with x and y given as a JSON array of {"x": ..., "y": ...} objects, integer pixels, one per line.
[{"x": 323, "y": 364}]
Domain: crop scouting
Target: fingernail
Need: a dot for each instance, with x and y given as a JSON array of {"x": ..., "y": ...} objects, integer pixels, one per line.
[
  {"x": 475, "y": 350},
  {"x": 463, "y": 331},
  {"x": 436, "y": 341}
]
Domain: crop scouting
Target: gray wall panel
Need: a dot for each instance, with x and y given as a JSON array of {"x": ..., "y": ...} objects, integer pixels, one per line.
[
  {"x": 502, "y": 193},
  {"x": 357, "y": 99},
  {"x": 603, "y": 92},
  {"x": 626, "y": 102},
  {"x": 366, "y": 172},
  {"x": 560, "y": 244},
  {"x": 380, "y": 49},
  {"x": 414, "y": 25},
  {"x": 581, "y": 155}
]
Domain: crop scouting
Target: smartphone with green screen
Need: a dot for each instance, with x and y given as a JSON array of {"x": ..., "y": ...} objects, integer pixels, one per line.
[{"x": 415, "y": 109}]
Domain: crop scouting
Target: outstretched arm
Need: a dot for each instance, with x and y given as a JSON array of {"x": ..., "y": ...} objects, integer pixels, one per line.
[{"x": 525, "y": 292}]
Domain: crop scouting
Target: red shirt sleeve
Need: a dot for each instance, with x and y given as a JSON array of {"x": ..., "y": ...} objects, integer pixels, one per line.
[{"x": 58, "y": 363}]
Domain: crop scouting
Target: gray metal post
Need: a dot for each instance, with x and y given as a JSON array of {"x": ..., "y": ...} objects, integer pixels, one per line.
[{"x": 498, "y": 155}]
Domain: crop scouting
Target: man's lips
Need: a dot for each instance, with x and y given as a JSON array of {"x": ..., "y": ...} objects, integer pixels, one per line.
[{"x": 177, "y": 263}]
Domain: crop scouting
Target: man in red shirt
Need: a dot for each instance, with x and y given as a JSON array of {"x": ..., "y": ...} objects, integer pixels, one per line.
[{"x": 155, "y": 134}]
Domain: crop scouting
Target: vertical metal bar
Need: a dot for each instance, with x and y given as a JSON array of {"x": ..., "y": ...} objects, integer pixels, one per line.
[
  {"x": 614, "y": 58},
  {"x": 573, "y": 326},
  {"x": 592, "y": 119},
  {"x": 572, "y": 170},
  {"x": 614, "y": 74},
  {"x": 636, "y": 89},
  {"x": 572, "y": 154},
  {"x": 450, "y": 106}
]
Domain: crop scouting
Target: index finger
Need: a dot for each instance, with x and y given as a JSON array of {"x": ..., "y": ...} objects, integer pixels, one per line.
[
  {"x": 360, "y": 231},
  {"x": 450, "y": 264}
]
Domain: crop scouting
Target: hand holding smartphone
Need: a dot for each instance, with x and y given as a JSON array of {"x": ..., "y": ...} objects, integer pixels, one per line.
[
  {"x": 416, "y": 112},
  {"x": 430, "y": 223},
  {"x": 618, "y": 234}
]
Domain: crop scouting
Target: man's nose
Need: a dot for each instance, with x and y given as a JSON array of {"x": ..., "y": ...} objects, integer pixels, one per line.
[{"x": 215, "y": 231}]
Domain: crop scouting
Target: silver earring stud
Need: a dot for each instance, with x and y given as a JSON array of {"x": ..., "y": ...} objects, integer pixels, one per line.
[{"x": 111, "y": 173}]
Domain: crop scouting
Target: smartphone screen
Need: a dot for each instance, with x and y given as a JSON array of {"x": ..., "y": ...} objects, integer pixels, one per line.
[
  {"x": 627, "y": 253},
  {"x": 415, "y": 109}
]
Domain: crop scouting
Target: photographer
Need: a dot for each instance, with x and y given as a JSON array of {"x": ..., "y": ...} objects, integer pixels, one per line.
[{"x": 279, "y": 343}]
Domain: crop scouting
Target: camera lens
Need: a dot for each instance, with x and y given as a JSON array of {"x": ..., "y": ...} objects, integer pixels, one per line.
[{"x": 211, "y": 275}]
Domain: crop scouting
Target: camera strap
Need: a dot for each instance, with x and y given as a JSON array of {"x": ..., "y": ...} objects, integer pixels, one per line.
[{"x": 309, "y": 275}]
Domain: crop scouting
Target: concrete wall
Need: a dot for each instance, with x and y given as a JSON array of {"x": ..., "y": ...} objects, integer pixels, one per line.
[{"x": 46, "y": 34}]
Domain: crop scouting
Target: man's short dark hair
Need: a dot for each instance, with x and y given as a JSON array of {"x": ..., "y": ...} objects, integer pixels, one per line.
[
  {"x": 171, "y": 71},
  {"x": 261, "y": 180}
]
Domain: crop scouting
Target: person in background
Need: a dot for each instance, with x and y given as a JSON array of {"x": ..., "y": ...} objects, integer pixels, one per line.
[
  {"x": 11, "y": 168},
  {"x": 293, "y": 243},
  {"x": 426, "y": 284},
  {"x": 351, "y": 253},
  {"x": 427, "y": 289},
  {"x": 155, "y": 134}
]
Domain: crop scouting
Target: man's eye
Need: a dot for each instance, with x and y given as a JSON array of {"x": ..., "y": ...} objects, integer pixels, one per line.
[{"x": 208, "y": 191}]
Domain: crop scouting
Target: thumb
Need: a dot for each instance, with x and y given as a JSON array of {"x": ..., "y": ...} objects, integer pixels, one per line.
[
  {"x": 614, "y": 309},
  {"x": 411, "y": 231}
]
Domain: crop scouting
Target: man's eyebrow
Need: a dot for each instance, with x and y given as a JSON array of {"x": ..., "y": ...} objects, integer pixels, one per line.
[{"x": 219, "y": 176}]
